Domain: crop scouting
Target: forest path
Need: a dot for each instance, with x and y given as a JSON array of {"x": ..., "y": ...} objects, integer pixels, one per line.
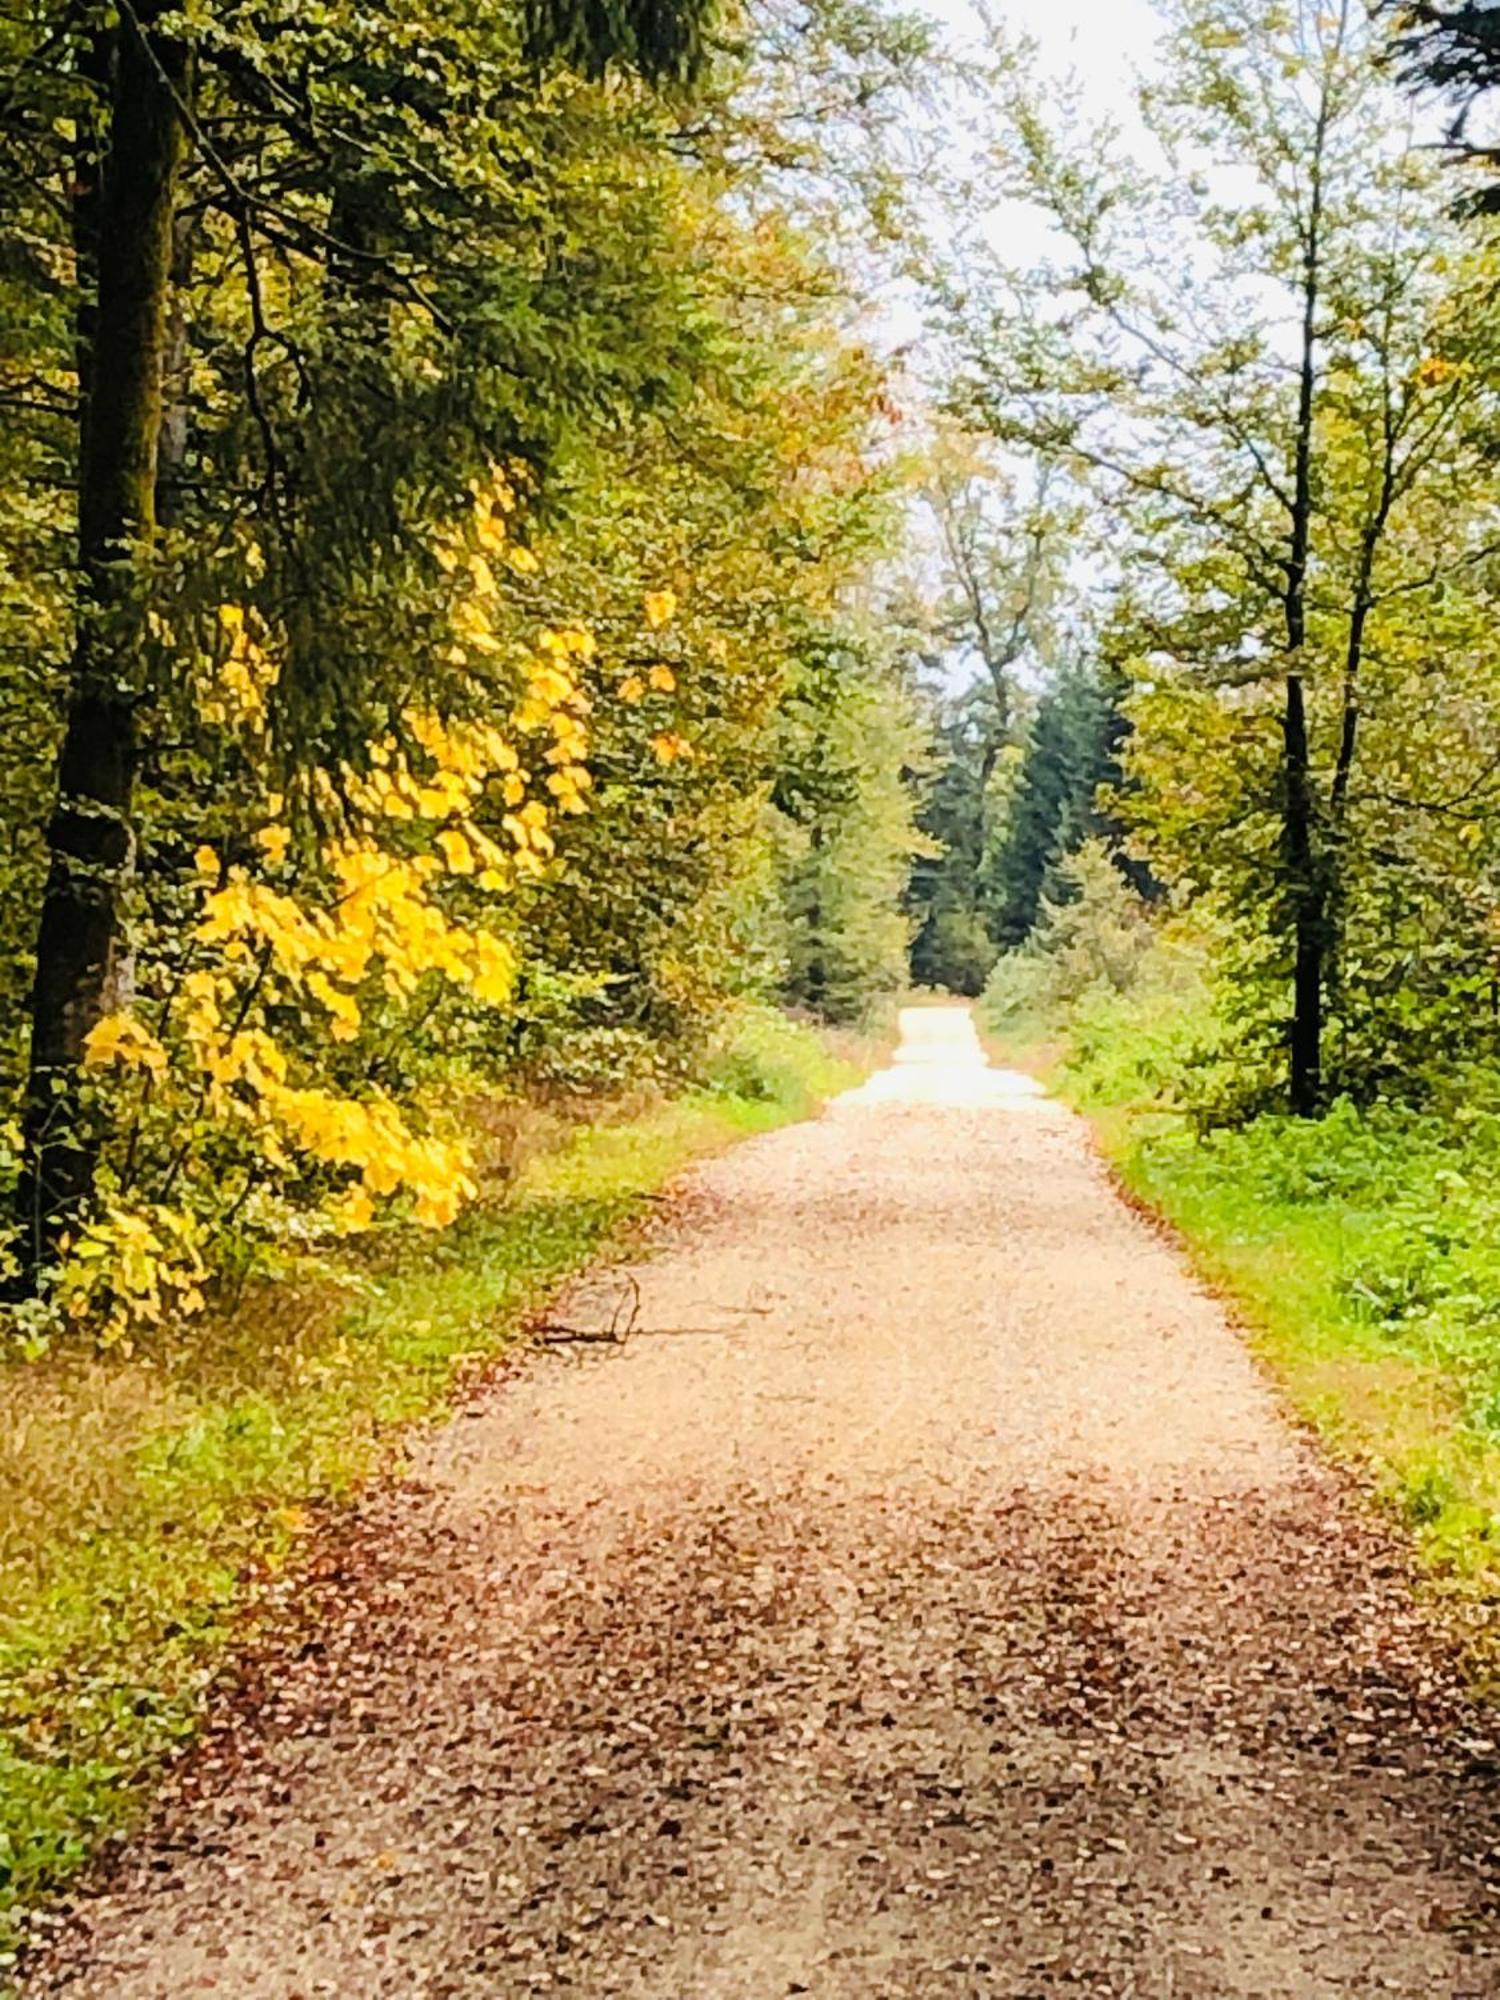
[{"x": 928, "y": 1598}]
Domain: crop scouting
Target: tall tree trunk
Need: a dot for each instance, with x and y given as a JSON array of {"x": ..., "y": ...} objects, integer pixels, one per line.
[
  {"x": 1300, "y": 843},
  {"x": 1308, "y": 912},
  {"x": 817, "y": 963},
  {"x": 82, "y": 959},
  {"x": 172, "y": 447}
]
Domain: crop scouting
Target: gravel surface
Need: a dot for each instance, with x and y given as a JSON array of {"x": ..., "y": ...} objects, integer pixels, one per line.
[{"x": 927, "y": 1598}]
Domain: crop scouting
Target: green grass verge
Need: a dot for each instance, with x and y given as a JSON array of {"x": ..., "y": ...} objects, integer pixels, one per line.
[
  {"x": 1360, "y": 1250},
  {"x": 144, "y": 1497}
]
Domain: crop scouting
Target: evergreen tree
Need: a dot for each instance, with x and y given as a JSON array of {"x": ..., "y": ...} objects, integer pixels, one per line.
[
  {"x": 1455, "y": 48},
  {"x": 1071, "y": 752},
  {"x": 845, "y": 811},
  {"x": 952, "y": 947}
]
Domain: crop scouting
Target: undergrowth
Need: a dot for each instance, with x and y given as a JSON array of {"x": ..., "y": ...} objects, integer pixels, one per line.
[{"x": 144, "y": 1497}]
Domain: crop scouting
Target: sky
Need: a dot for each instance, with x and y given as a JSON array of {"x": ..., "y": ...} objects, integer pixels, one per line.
[
  {"x": 1097, "y": 46},
  {"x": 1099, "y": 41}
]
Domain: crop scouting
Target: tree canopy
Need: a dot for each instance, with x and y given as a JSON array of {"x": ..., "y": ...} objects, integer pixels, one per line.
[{"x": 1262, "y": 355}]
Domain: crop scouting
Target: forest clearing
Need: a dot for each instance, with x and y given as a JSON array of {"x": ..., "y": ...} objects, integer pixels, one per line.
[{"x": 750, "y": 997}]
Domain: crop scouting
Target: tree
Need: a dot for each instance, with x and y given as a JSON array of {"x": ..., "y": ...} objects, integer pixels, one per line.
[
  {"x": 1071, "y": 754},
  {"x": 1002, "y": 542},
  {"x": 123, "y": 236},
  {"x": 360, "y": 167},
  {"x": 1002, "y": 538},
  {"x": 664, "y": 44},
  {"x": 1260, "y": 353},
  {"x": 490, "y": 452},
  {"x": 1454, "y": 49},
  {"x": 952, "y": 946},
  {"x": 846, "y": 806}
]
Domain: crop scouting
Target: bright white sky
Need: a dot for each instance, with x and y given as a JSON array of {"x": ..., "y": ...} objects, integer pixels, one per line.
[
  {"x": 1098, "y": 46},
  {"x": 1100, "y": 41}
]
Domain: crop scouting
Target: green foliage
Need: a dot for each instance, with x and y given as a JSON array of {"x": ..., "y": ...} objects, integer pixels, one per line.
[
  {"x": 661, "y": 42},
  {"x": 1299, "y": 544},
  {"x": 1096, "y": 938},
  {"x": 1140, "y": 1047},
  {"x": 1388, "y": 1220},
  {"x": 954, "y": 951},
  {"x": 1022, "y": 755},
  {"x": 1014, "y": 772},
  {"x": 760, "y": 1056},
  {"x": 1006, "y": 819},
  {"x": 952, "y": 946},
  {"x": 845, "y": 835},
  {"x": 1071, "y": 754},
  {"x": 516, "y": 405},
  {"x": 1409, "y": 1207}
]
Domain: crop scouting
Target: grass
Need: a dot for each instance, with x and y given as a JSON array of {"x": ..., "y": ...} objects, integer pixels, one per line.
[
  {"x": 144, "y": 1498},
  {"x": 1361, "y": 1251}
]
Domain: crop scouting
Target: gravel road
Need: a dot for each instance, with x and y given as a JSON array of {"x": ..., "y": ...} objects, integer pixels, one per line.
[{"x": 927, "y": 1599}]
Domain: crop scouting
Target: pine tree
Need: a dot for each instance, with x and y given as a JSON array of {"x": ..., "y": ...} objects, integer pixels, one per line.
[
  {"x": 1071, "y": 752},
  {"x": 952, "y": 947},
  {"x": 1456, "y": 50}
]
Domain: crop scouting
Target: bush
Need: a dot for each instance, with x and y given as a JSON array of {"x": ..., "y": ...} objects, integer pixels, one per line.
[
  {"x": 761, "y": 1057},
  {"x": 1095, "y": 937}
]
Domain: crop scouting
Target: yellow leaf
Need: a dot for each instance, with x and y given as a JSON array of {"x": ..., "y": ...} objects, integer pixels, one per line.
[
  {"x": 456, "y": 851},
  {"x": 354, "y": 1210},
  {"x": 120, "y": 1039},
  {"x": 494, "y": 976},
  {"x": 660, "y": 607}
]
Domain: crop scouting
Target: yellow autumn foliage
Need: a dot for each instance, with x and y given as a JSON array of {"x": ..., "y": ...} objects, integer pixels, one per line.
[{"x": 441, "y": 823}]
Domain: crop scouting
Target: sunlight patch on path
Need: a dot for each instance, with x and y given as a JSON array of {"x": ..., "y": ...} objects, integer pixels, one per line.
[{"x": 940, "y": 1060}]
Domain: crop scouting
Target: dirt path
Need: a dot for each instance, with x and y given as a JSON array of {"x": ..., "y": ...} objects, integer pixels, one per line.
[{"x": 928, "y": 1599}]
